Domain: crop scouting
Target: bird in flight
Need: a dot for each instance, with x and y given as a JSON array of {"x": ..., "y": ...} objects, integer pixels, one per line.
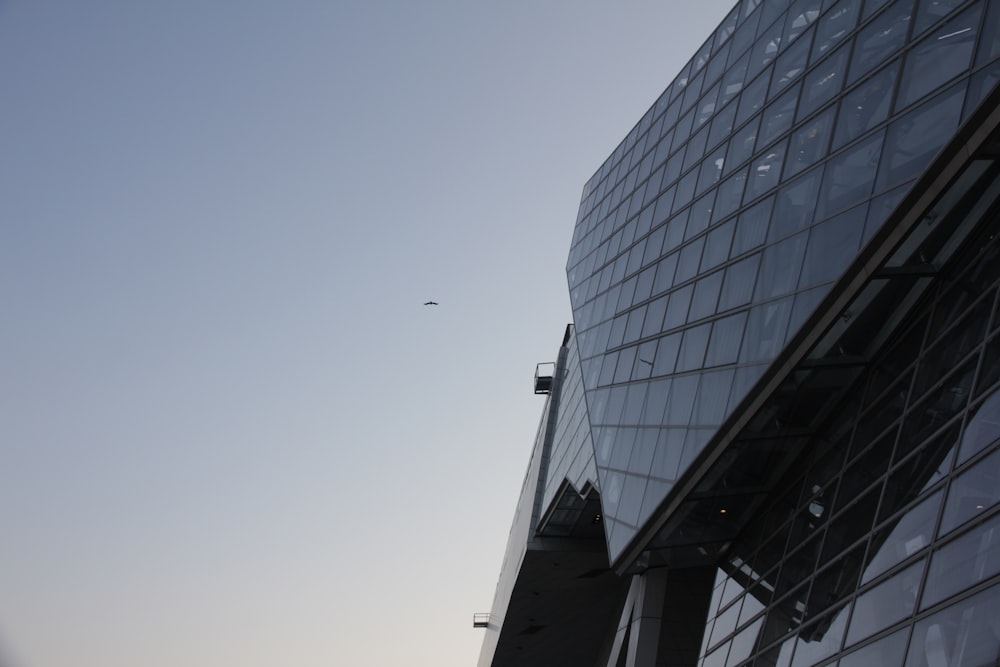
[{"x": 431, "y": 303}]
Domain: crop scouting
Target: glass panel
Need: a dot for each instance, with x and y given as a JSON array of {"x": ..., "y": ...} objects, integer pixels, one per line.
[
  {"x": 717, "y": 246},
  {"x": 889, "y": 602},
  {"x": 793, "y": 205},
  {"x": 751, "y": 229},
  {"x": 915, "y": 139},
  {"x": 729, "y": 195},
  {"x": 733, "y": 80},
  {"x": 932, "y": 11},
  {"x": 693, "y": 346},
  {"x": 836, "y": 24},
  {"x": 666, "y": 354},
  {"x": 711, "y": 170},
  {"x": 765, "y": 331},
  {"x": 849, "y": 176},
  {"x": 724, "y": 345},
  {"x": 765, "y": 50},
  {"x": 940, "y": 57},
  {"x": 753, "y": 96},
  {"x": 989, "y": 46},
  {"x": 983, "y": 428},
  {"x": 886, "y": 652},
  {"x": 866, "y": 106},
  {"x": 903, "y": 537},
  {"x": 972, "y": 558},
  {"x": 823, "y": 83},
  {"x": 706, "y": 296},
  {"x": 832, "y": 246},
  {"x": 808, "y": 143},
  {"x": 800, "y": 16},
  {"x": 881, "y": 38},
  {"x": 789, "y": 66},
  {"x": 973, "y": 492},
  {"x": 722, "y": 125},
  {"x": 777, "y": 118},
  {"x": 779, "y": 272},
  {"x": 677, "y": 307},
  {"x": 765, "y": 171},
  {"x": 687, "y": 267},
  {"x": 961, "y": 635},
  {"x": 742, "y": 144},
  {"x": 737, "y": 288}
]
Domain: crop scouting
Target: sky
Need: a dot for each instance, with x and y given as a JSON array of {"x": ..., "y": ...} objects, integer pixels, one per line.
[{"x": 230, "y": 432}]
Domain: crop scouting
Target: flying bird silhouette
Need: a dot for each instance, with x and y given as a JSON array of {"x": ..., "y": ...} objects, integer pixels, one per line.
[{"x": 431, "y": 303}]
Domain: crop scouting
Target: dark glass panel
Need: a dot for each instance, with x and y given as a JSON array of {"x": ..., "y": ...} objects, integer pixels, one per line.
[
  {"x": 802, "y": 14},
  {"x": 835, "y": 25},
  {"x": 737, "y": 288},
  {"x": 789, "y": 66},
  {"x": 989, "y": 43},
  {"x": 753, "y": 96},
  {"x": 886, "y": 652},
  {"x": 866, "y": 106},
  {"x": 765, "y": 171},
  {"x": 654, "y": 317},
  {"x": 687, "y": 266},
  {"x": 778, "y": 116},
  {"x": 983, "y": 427},
  {"x": 930, "y": 12},
  {"x": 706, "y": 296},
  {"x": 971, "y": 558},
  {"x": 780, "y": 267},
  {"x": 711, "y": 170},
  {"x": 881, "y": 38},
  {"x": 765, "y": 49},
  {"x": 940, "y": 57},
  {"x": 722, "y": 125},
  {"x": 742, "y": 144},
  {"x": 724, "y": 345},
  {"x": 693, "y": 346},
  {"x": 729, "y": 195},
  {"x": 849, "y": 176},
  {"x": 832, "y": 246},
  {"x": 793, "y": 205},
  {"x": 888, "y": 603},
  {"x": 901, "y": 538},
  {"x": 823, "y": 83},
  {"x": 915, "y": 139},
  {"x": 765, "y": 331},
  {"x": 717, "y": 246},
  {"x": 962, "y": 634},
  {"x": 677, "y": 307},
  {"x": 666, "y": 354},
  {"x": 973, "y": 492},
  {"x": 751, "y": 228}
]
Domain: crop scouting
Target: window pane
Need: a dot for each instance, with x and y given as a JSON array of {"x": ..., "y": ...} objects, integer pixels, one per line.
[
  {"x": 790, "y": 65},
  {"x": 940, "y": 57},
  {"x": 889, "y": 602},
  {"x": 849, "y": 176},
  {"x": 706, "y": 296},
  {"x": 765, "y": 171},
  {"x": 881, "y": 38},
  {"x": 751, "y": 229},
  {"x": 962, "y": 634},
  {"x": 742, "y": 144},
  {"x": 823, "y": 83},
  {"x": 752, "y": 99},
  {"x": 834, "y": 26},
  {"x": 765, "y": 331},
  {"x": 866, "y": 106},
  {"x": 693, "y": 348},
  {"x": 778, "y": 116},
  {"x": 737, "y": 288},
  {"x": 832, "y": 246},
  {"x": 915, "y": 139},
  {"x": 808, "y": 143},
  {"x": 972, "y": 558},
  {"x": 794, "y": 204},
  {"x": 779, "y": 272},
  {"x": 724, "y": 345}
]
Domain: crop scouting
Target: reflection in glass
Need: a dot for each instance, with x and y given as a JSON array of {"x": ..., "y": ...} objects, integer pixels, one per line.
[
  {"x": 834, "y": 26},
  {"x": 971, "y": 558},
  {"x": 973, "y": 492},
  {"x": 765, "y": 171},
  {"x": 866, "y": 106},
  {"x": 849, "y": 176},
  {"x": 832, "y": 245},
  {"x": 940, "y": 57},
  {"x": 916, "y": 137},
  {"x": 967, "y": 633},
  {"x": 889, "y": 602},
  {"x": 881, "y": 38}
]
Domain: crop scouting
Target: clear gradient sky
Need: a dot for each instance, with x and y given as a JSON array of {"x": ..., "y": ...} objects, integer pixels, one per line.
[{"x": 230, "y": 434}]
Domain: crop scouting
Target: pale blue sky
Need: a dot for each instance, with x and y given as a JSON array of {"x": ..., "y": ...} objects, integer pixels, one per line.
[{"x": 230, "y": 433}]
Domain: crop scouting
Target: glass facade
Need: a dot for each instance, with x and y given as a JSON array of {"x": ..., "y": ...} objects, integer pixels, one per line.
[
  {"x": 727, "y": 213},
  {"x": 784, "y": 367}
]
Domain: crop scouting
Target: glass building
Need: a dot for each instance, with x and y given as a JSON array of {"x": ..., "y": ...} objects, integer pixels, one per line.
[{"x": 772, "y": 435}]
